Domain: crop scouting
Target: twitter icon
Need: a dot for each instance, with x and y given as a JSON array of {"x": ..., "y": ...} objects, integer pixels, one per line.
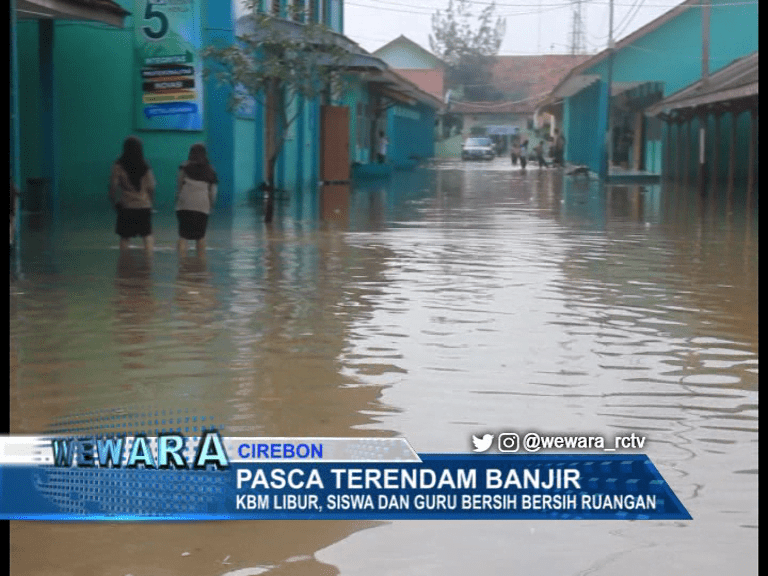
[{"x": 482, "y": 444}]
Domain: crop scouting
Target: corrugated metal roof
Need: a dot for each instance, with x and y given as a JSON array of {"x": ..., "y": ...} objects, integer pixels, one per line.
[{"x": 740, "y": 79}]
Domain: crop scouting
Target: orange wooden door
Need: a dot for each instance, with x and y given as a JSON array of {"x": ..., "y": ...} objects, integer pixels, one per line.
[{"x": 334, "y": 143}]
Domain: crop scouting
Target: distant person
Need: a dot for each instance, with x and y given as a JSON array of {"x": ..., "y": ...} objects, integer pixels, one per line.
[
  {"x": 538, "y": 151},
  {"x": 132, "y": 193},
  {"x": 196, "y": 188},
  {"x": 515, "y": 152},
  {"x": 524, "y": 154},
  {"x": 383, "y": 143}
]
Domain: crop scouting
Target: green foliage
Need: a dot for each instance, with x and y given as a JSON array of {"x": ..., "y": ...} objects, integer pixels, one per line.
[
  {"x": 468, "y": 44},
  {"x": 297, "y": 58},
  {"x": 277, "y": 62}
]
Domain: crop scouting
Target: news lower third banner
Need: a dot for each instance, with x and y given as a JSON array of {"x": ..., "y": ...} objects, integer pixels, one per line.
[{"x": 208, "y": 477}]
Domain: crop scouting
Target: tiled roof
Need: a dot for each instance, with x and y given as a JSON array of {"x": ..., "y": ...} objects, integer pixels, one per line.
[
  {"x": 531, "y": 78},
  {"x": 428, "y": 79},
  {"x": 490, "y": 107},
  {"x": 526, "y": 80}
]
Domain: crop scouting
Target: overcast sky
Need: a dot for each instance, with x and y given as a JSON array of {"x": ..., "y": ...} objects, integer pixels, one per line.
[{"x": 533, "y": 26}]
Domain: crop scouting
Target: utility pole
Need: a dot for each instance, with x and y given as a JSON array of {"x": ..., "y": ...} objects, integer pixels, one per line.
[
  {"x": 578, "y": 45},
  {"x": 608, "y": 151},
  {"x": 538, "y": 40}
]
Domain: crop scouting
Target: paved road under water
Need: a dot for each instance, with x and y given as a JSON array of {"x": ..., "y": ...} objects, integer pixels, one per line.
[{"x": 443, "y": 303}]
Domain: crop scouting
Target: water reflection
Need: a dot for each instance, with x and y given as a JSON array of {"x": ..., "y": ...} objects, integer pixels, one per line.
[
  {"x": 440, "y": 303},
  {"x": 135, "y": 308},
  {"x": 196, "y": 302}
]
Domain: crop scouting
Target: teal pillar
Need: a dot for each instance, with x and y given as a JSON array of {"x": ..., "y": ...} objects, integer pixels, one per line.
[
  {"x": 15, "y": 167},
  {"x": 602, "y": 126},
  {"x": 219, "y": 30},
  {"x": 258, "y": 134},
  {"x": 48, "y": 113},
  {"x": 314, "y": 134},
  {"x": 300, "y": 145},
  {"x": 14, "y": 86},
  {"x": 565, "y": 126}
]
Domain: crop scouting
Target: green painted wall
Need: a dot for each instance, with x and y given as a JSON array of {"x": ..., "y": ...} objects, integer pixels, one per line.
[{"x": 95, "y": 112}]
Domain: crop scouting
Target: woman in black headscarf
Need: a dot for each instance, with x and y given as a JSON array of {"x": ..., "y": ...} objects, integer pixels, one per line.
[
  {"x": 196, "y": 189},
  {"x": 132, "y": 192}
]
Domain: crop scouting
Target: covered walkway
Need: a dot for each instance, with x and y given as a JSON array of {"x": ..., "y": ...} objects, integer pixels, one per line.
[{"x": 696, "y": 141}]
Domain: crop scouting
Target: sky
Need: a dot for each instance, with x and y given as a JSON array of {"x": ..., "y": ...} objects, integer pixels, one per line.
[{"x": 532, "y": 26}]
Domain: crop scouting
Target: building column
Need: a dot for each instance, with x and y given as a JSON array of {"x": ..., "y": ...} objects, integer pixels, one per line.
[
  {"x": 679, "y": 152},
  {"x": 732, "y": 157},
  {"x": 48, "y": 115},
  {"x": 751, "y": 161},
  {"x": 637, "y": 144},
  {"x": 666, "y": 156},
  {"x": 715, "y": 151},
  {"x": 15, "y": 162},
  {"x": 219, "y": 30},
  {"x": 687, "y": 151},
  {"x": 702, "y": 172},
  {"x": 605, "y": 139},
  {"x": 15, "y": 166}
]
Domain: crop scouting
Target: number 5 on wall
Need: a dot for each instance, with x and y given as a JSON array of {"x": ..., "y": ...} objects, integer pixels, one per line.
[{"x": 151, "y": 13}]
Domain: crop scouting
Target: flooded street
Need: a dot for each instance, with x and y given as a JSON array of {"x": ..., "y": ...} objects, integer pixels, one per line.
[{"x": 449, "y": 301}]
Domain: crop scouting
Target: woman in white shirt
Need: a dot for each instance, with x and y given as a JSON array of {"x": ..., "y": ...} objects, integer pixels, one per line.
[{"x": 195, "y": 194}]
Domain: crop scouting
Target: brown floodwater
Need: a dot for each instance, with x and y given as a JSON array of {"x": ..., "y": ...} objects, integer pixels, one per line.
[{"x": 440, "y": 303}]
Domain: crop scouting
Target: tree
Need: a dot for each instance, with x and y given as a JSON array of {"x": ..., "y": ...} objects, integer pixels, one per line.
[
  {"x": 278, "y": 63},
  {"x": 468, "y": 44}
]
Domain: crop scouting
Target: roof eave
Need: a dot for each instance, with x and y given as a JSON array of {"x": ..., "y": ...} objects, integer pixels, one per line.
[{"x": 68, "y": 10}]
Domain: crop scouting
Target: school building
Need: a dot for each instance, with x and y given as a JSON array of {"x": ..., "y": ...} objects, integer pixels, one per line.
[{"x": 85, "y": 74}]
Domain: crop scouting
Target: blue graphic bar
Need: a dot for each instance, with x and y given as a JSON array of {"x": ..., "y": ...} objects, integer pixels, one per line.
[{"x": 440, "y": 486}]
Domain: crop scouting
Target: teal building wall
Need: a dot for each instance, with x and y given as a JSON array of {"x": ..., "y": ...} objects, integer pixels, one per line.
[
  {"x": 411, "y": 134},
  {"x": 93, "y": 91},
  {"x": 93, "y": 83}
]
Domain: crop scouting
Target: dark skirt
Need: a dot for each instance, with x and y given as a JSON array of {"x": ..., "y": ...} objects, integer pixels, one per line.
[
  {"x": 192, "y": 224},
  {"x": 133, "y": 222}
]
